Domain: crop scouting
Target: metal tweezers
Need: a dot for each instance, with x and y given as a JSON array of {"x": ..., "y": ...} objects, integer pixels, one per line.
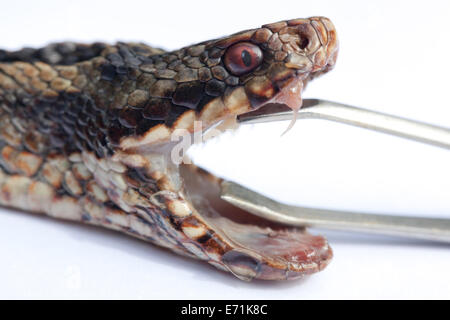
[{"x": 413, "y": 227}]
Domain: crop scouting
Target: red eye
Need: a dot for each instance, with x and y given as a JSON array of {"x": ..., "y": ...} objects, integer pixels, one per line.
[{"x": 242, "y": 57}]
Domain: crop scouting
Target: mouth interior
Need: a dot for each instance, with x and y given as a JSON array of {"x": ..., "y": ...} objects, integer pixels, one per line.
[{"x": 290, "y": 252}]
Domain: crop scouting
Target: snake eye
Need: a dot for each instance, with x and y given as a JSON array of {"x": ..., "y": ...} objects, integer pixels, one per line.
[{"x": 242, "y": 57}]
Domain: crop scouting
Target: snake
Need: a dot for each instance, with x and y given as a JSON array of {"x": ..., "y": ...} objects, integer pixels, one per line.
[{"x": 87, "y": 135}]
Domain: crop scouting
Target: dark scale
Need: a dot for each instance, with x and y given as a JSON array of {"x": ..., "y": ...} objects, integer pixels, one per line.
[
  {"x": 215, "y": 87},
  {"x": 115, "y": 132},
  {"x": 129, "y": 117},
  {"x": 188, "y": 94},
  {"x": 109, "y": 72},
  {"x": 157, "y": 109}
]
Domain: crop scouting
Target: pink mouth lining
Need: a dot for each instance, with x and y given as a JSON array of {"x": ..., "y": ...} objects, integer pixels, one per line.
[{"x": 291, "y": 96}]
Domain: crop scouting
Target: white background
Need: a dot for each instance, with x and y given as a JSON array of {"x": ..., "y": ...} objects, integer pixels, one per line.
[{"x": 394, "y": 58}]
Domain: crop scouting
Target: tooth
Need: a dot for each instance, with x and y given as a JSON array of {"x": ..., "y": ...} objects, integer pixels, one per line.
[{"x": 291, "y": 95}]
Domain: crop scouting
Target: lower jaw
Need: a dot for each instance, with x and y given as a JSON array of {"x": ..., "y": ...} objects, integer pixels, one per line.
[{"x": 260, "y": 249}]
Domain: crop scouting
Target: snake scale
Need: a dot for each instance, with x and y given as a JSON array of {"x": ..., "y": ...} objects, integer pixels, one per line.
[{"x": 85, "y": 135}]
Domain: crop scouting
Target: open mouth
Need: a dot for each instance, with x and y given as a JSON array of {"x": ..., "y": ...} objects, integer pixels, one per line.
[{"x": 262, "y": 249}]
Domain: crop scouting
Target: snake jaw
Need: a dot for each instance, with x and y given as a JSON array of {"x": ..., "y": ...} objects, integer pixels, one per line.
[{"x": 254, "y": 248}]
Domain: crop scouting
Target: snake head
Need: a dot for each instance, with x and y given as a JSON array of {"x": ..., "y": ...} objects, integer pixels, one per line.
[
  {"x": 274, "y": 63},
  {"x": 223, "y": 78}
]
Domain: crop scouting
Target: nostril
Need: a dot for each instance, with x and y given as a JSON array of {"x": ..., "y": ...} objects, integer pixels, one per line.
[
  {"x": 304, "y": 41},
  {"x": 308, "y": 38}
]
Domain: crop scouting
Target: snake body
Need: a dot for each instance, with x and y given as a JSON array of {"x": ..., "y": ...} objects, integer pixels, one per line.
[{"x": 85, "y": 135}]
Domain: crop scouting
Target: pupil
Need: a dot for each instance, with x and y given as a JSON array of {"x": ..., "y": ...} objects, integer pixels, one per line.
[{"x": 246, "y": 58}]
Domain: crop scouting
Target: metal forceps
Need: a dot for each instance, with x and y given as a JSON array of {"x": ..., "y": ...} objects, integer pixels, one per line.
[{"x": 413, "y": 227}]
